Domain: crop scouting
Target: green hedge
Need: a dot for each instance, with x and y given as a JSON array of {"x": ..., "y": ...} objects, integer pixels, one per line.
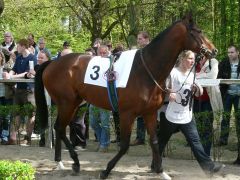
[{"x": 16, "y": 170}]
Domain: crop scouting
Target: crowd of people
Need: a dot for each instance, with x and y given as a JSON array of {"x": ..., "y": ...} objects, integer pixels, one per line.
[{"x": 21, "y": 59}]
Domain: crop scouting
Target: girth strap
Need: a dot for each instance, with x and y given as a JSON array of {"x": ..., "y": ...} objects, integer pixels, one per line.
[{"x": 111, "y": 86}]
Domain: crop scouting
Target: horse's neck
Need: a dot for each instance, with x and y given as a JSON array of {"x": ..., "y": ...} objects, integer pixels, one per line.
[{"x": 163, "y": 56}]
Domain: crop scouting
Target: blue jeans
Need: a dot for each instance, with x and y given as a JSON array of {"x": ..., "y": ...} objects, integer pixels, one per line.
[
  {"x": 141, "y": 131},
  {"x": 191, "y": 134},
  {"x": 5, "y": 133},
  {"x": 228, "y": 102},
  {"x": 204, "y": 119},
  {"x": 99, "y": 121}
]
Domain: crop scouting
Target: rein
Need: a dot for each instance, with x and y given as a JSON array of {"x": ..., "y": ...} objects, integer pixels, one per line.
[
  {"x": 166, "y": 89},
  {"x": 150, "y": 74},
  {"x": 155, "y": 81}
]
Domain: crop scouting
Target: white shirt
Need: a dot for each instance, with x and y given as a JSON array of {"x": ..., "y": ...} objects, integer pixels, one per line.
[{"x": 178, "y": 111}]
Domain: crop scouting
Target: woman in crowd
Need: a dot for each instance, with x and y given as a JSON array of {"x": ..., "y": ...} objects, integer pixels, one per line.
[{"x": 209, "y": 105}]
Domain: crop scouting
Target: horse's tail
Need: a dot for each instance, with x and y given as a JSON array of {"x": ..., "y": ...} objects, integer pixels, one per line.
[{"x": 41, "y": 120}]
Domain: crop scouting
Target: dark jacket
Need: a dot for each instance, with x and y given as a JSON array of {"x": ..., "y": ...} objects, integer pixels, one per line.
[
  {"x": 7, "y": 56},
  {"x": 224, "y": 72}
]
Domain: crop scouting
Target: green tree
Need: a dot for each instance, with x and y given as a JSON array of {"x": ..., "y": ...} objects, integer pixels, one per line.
[
  {"x": 1, "y": 6},
  {"x": 99, "y": 17}
]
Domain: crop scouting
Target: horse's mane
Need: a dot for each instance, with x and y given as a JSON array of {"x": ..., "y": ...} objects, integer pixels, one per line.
[{"x": 162, "y": 34}]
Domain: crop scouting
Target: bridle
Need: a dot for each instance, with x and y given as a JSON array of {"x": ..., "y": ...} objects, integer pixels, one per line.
[{"x": 203, "y": 50}]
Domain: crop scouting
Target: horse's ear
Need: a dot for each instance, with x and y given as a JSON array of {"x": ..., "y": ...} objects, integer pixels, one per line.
[{"x": 188, "y": 19}]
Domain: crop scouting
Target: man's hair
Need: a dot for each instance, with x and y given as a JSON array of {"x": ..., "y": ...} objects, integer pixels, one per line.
[
  {"x": 24, "y": 42},
  {"x": 41, "y": 39},
  {"x": 90, "y": 50},
  {"x": 31, "y": 34},
  {"x": 144, "y": 34},
  {"x": 233, "y": 46},
  {"x": 8, "y": 34},
  {"x": 108, "y": 43},
  {"x": 44, "y": 51}
]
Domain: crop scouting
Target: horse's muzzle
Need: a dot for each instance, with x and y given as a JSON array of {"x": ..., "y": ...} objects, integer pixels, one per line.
[{"x": 208, "y": 53}]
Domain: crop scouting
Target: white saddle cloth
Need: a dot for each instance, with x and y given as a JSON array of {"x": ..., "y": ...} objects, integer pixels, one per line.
[{"x": 97, "y": 67}]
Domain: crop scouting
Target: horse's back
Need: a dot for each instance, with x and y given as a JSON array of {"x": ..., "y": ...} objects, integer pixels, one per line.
[{"x": 63, "y": 76}]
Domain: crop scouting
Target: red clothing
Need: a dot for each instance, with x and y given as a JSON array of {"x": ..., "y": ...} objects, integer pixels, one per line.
[{"x": 204, "y": 96}]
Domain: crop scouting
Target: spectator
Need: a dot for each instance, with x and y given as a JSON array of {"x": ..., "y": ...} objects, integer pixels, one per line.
[
  {"x": 179, "y": 115},
  {"x": 4, "y": 128},
  {"x": 143, "y": 39},
  {"x": 9, "y": 95},
  {"x": 65, "y": 50},
  {"x": 32, "y": 44},
  {"x": 78, "y": 128},
  {"x": 116, "y": 52},
  {"x": 66, "y": 45},
  {"x": 100, "y": 118},
  {"x": 20, "y": 69},
  {"x": 97, "y": 43},
  {"x": 8, "y": 45},
  {"x": 118, "y": 48},
  {"x": 90, "y": 51},
  {"x": 209, "y": 103},
  {"x": 229, "y": 69},
  {"x": 42, "y": 46},
  {"x": 108, "y": 43},
  {"x": 43, "y": 56}
]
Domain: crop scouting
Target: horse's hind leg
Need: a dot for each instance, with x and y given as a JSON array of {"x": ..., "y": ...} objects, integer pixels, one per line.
[
  {"x": 65, "y": 114},
  {"x": 126, "y": 123},
  {"x": 150, "y": 122},
  {"x": 58, "y": 146}
]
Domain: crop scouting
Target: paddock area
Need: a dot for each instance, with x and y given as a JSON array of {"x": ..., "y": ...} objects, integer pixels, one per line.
[{"x": 178, "y": 163}]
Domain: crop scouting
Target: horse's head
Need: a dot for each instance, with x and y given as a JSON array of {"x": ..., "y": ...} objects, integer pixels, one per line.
[{"x": 196, "y": 41}]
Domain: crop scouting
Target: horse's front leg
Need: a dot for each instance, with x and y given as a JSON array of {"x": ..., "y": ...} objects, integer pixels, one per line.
[
  {"x": 126, "y": 123},
  {"x": 150, "y": 121}
]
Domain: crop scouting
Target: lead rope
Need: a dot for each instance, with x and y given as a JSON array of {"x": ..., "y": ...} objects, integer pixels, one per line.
[
  {"x": 198, "y": 58},
  {"x": 154, "y": 80}
]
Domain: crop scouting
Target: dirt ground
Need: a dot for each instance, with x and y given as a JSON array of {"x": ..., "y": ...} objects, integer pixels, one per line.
[{"x": 178, "y": 163}]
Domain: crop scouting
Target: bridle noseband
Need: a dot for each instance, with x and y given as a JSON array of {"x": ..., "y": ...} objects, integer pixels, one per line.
[{"x": 203, "y": 50}]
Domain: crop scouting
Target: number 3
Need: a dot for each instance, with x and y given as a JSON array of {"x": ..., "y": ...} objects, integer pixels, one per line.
[
  {"x": 185, "y": 101},
  {"x": 97, "y": 69}
]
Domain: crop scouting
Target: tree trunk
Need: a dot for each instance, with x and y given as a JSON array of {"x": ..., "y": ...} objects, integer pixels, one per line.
[
  {"x": 223, "y": 29},
  {"x": 238, "y": 30},
  {"x": 1, "y": 6},
  {"x": 232, "y": 10}
]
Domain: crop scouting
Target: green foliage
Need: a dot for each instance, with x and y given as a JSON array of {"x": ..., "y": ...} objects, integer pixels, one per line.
[
  {"x": 16, "y": 171},
  {"x": 81, "y": 22},
  {"x": 25, "y": 110}
]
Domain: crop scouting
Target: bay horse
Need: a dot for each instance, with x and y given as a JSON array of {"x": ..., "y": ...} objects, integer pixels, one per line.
[{"x": 143, "y": 95}]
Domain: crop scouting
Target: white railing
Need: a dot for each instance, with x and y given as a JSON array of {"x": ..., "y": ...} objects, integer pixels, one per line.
[
  {"x": 203, "y": 82},
  {"x": 215, "y": 82}
]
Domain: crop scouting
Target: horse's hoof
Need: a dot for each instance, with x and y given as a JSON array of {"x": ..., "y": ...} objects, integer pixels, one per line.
[
  {"x": 103, "y": 174},
  {"x": 60, "y": 166},
  {"x": 165, "y": 176},
  {"x": 76, "y": 168},
  {"x": 156, "y": 169}
]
